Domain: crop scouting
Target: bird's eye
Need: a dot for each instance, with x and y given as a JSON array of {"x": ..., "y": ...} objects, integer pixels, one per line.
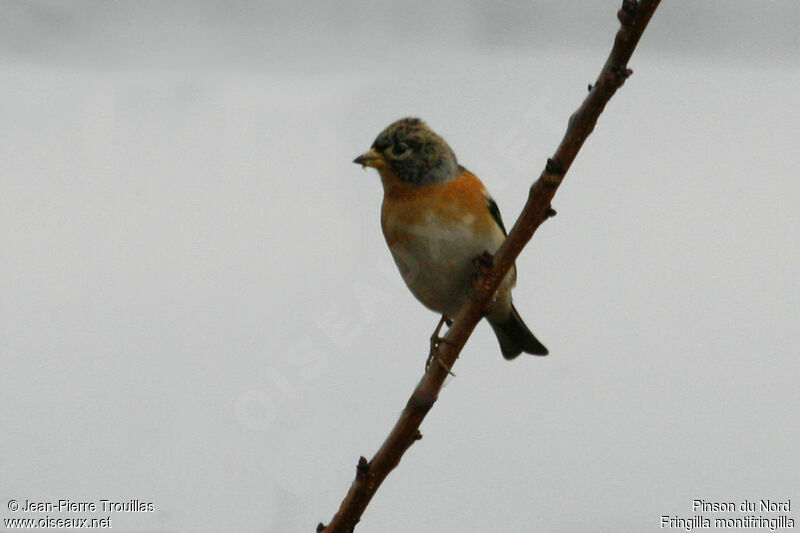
[{"x": 400, "y": 148}]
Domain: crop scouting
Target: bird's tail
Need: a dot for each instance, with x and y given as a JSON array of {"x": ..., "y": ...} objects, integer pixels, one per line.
[{"x": 515, "y": 337}]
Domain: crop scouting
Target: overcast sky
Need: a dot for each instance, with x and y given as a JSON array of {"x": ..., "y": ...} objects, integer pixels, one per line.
[{"x": 198, "y": 309}]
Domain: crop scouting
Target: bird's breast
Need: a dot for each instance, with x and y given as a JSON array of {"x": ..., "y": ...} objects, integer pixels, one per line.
[{"x": 434, "y": 232}]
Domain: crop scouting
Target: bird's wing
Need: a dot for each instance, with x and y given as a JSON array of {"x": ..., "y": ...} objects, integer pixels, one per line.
[
  {"x": 495, "y": 212},
  {"x": 490, "y": 203}
]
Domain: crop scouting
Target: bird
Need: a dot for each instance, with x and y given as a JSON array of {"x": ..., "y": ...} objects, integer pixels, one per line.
[{"x": 438, "y": 218}]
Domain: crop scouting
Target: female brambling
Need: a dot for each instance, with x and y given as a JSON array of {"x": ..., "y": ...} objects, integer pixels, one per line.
[{"x": 437, "y": 217}]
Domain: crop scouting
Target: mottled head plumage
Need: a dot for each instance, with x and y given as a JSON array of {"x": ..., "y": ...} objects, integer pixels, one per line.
[{"x": 415, "y": 154}]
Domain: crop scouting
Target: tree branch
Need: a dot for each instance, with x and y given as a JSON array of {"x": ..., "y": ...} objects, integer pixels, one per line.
[{"x": 633, "y": 17}]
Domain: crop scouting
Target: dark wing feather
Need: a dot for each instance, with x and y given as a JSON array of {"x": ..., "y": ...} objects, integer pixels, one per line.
[
  {"x": 491, "y": 204},
  {"x": 495, "y": 211}
]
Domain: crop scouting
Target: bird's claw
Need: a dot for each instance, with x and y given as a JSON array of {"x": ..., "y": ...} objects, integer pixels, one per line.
[
  {"x": 436, "y": 341},
  {"x": 483, "y": 265},
  {"x": 434, "y": 355},
  {"x": 484, "y": 261}
]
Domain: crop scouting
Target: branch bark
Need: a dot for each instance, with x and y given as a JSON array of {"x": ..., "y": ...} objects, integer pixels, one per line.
[{"x": 633, "y": 17}]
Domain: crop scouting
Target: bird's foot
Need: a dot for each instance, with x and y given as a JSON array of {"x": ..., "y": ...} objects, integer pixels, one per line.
[
  {"x": 437, "y": 341},
  {"x": 483, "y": 265},
  {"x": 435, "y": 338},
  {"x": 434, "y": 356},
  {"x": 485, "y": 261}
]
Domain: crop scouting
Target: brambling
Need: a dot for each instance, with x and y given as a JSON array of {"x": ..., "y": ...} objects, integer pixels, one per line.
[{"x": 437, "y": 218}]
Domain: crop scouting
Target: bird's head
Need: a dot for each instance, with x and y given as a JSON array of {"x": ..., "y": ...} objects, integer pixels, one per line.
[{"x": 410, "y": 150}]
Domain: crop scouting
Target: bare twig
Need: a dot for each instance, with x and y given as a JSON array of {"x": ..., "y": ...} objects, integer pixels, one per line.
[{"x": 633, "y": 17}]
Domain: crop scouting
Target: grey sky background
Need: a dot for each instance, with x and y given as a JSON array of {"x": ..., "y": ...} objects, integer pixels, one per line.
[{"x": 198, "y": 308}]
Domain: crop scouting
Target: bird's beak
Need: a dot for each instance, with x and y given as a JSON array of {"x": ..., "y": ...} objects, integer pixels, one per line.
[{"x": 370, "y": 159}]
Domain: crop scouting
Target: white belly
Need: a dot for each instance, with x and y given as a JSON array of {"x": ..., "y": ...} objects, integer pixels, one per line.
[{"x": 435, "y": 260}]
